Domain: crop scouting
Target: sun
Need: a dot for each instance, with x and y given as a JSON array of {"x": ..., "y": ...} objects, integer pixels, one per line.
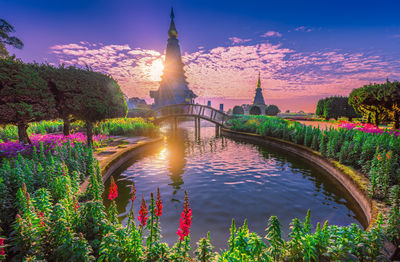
[{"x": 156, "y": 70}]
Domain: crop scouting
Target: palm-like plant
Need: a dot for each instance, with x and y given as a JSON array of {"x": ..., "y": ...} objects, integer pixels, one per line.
[{"x": 6, "y": 39}]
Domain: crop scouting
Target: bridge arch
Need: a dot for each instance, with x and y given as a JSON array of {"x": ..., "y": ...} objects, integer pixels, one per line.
[{"x": 196, "y": 111}]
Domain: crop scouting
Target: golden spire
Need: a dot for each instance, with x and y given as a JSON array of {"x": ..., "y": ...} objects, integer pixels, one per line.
[
  {"x": 172, "y": 33},
  {"x": 259, "y": 81}
]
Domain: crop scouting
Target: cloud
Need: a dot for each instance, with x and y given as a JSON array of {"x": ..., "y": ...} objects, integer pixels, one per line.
[
  {"x": 271, "y": 34},
  {"x": 237, "y": 40},
  {"x": 303, "y": 29},
  {"x": 231, "y": 71}
]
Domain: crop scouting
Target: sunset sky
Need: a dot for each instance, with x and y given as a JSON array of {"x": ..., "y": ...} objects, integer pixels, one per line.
[{"x": 304, "y": 50}]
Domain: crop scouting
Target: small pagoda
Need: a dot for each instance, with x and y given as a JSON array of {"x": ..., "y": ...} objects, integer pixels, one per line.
[
  {"x": 173, "y": 86},
  {"x": 259, "y": 98}
]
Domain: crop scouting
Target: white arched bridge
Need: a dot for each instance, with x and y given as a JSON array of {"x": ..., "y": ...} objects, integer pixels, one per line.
[{"x": 196, "y": 111}]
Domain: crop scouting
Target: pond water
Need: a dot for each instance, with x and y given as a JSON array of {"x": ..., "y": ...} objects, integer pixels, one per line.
[{"x": 228, "y": 179}]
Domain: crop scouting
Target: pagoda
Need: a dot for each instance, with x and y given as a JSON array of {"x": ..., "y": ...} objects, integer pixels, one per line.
[
  {"x": 173, "y": 86},
  {"x": 259, "y": 98}
]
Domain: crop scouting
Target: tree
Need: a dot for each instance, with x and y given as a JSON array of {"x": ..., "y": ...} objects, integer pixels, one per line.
[
  {"x": 272, "y": 110},
  {"x": 255, "y": 110},
  {"x": 64, "y": 89},
  {"x": 366, "y": 101},
  {"x": 24, "y": 96},
  {"x": 6, "y": 39},
  {"x": 389, "y": 97},
  {"x": 100, "y": 98},
  {"x": 238, "y": 110},
  {"x": 335, "y": 107},
  {"x": 320, "y": 107}
]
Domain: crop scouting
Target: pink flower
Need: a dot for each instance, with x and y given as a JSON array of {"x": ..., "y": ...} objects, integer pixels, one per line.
[
  {"x": 113, "y": 190},
  {"x": 143, "y": 213},
  {"x": 186, "y": 220},
  {"x": 2, "y": 252},
  {"x": 159, "y": 205}
]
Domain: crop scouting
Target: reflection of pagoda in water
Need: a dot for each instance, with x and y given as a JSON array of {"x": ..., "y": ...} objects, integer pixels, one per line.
[{"x": 173, "y": 87}]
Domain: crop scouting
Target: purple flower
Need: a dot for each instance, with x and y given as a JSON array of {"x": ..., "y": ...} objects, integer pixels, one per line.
[{"x": 49, "y": 141}]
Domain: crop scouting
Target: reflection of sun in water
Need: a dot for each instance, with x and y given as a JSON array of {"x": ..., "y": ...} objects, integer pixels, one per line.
[
  {"x": 156, "y": 70},
  {"x": 163, "y": 154}
]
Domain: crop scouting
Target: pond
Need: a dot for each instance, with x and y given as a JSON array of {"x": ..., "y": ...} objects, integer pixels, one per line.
[{"x": 228, "y": 179}]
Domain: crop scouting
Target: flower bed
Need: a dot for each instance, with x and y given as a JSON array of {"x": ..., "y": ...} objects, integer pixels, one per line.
[
  {"x": 46, "y": 142},
  {"x": 367, "y": 128}
]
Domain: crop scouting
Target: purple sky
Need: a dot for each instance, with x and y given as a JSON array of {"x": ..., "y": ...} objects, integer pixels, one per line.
[{"x": 304, "y": 50}]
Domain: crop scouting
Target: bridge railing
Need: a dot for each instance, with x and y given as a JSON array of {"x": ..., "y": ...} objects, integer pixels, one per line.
[{"x": 193, "y": 110}]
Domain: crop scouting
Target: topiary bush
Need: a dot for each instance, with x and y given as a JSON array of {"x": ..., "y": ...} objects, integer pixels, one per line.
[{"x": 255, "y": 110}]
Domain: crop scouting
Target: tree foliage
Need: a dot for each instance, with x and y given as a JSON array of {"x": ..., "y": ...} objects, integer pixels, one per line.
[
  {"x": 237, "y": 110},
  {"x": 335, "y": 107},
  {"x": 255, "y": 110},
  {"x": 6, "y": 39},
  {"x": 378, "y": 102},
  {"x": 84, "y": 94},
  {"x": 272, "y": 110},
  {"x": 33, "y": 92},
  {"x": 24, "y": 96}
]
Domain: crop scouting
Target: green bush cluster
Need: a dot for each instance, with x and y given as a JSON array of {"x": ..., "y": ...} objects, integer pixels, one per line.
[
  {"x": 10, "y": 132},
  {"x": 324, "y": 243},
  {"x": 41, "y": 170},
  {"x": 127, "y": 127},
  {"x": 116, "y": 126}
]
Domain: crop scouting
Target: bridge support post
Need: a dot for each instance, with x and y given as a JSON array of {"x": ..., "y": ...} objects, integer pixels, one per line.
[
  {"x": 195, "y": 127},
  {"x": 217, "y": 130},
  {"x": 198, "y": 126}
]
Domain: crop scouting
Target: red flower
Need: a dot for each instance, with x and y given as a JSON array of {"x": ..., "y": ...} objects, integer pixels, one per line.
[
  {"x": 379, "y": 157},
  {"x": 133, "y": 192},
  {"x": 113, "y": 190},
  {"x": 41, "y": 215},
  {"x": 143, "y": 213},
  {"x": 159, "y": 205},
  {"x": 76, "y": 205},
  {"x": 2, "y": 252},
  {"x": 185, "y": 220},
  {"x": 388, "y": 156}
]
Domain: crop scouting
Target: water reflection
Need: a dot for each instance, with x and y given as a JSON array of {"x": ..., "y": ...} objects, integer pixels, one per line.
[{"x": 230, "y": 179}]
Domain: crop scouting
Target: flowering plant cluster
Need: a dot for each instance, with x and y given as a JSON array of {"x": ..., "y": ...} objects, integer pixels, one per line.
[
  {"x": 2, "y": 251},
  {"x": 186, "y": 220},
  {"x": 49, "y": 219},
  {"x": 47, "y": 141},
  {"x": 367, "y": 128}
]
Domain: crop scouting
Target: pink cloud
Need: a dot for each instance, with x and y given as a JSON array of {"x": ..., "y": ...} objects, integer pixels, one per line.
[
  {"x": 237, "y": 40},
  {"x": 271, "y": 34},
  {"x": 231, "y": 71}
]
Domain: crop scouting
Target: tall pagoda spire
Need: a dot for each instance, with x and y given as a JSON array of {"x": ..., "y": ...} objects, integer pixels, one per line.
[
  {"x": 172, "y": 33},
  {"x": 259, "y": 98},
  {"x": 259, "y": 81},
  {"x": 173, "y": 86}
]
